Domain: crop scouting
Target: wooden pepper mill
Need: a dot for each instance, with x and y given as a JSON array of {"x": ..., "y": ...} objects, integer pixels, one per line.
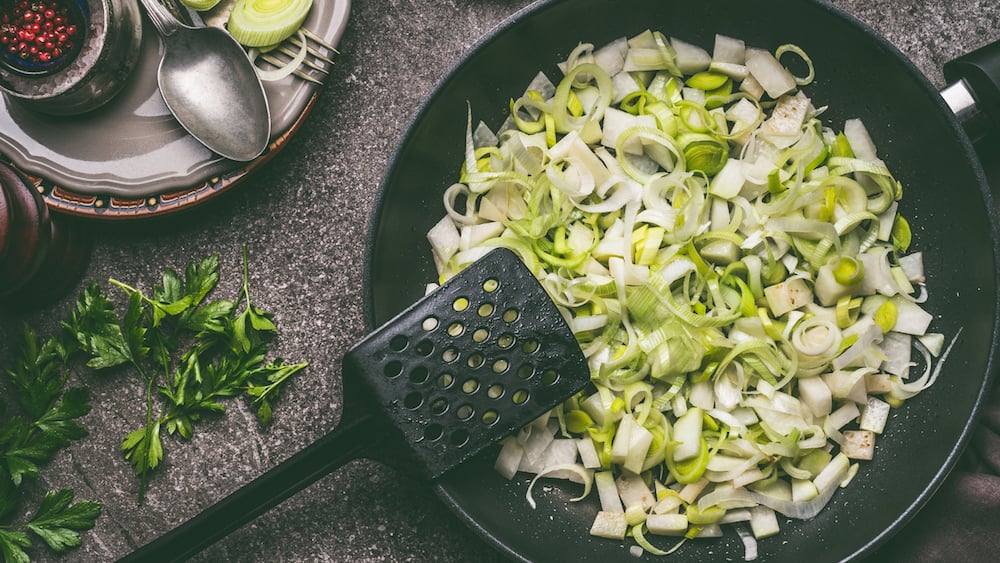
[{"x": 41, "y": 257}]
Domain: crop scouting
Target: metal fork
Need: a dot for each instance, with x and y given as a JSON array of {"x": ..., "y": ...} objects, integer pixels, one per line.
[
  {"x": 317, "y": 64},
  {"x": 319, "y": 57}
]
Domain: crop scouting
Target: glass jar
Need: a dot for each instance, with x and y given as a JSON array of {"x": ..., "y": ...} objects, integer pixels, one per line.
[{"x": 80, "y": 73}]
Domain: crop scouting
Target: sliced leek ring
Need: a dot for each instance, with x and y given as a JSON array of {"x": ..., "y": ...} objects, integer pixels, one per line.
[{"x": 262, "y": 23}]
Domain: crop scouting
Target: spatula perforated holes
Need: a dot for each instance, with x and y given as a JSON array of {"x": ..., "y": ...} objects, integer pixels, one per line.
[
  {"x": 445, "y": 380},
  {"x": 470, "y": 386},
  {"x": 459, "y": 438},
  {"x": 477, "y": 357},
  {"x": 419, "y": 375},
  {"x": 439, "y": 406},
  {"x": 550, "y": 377},
  {"x": 490, "y": 417},
  {"x": 465, "y": 412},
  {"x": 424, "y": 348},
  {"x": 525, "y": 371},
  {"x": 476, "y": 360},
  {"x": 450, "y": 355},
  {"x": 393, "y": 369},
  {"x": 413, "y": 401},
  {"x": 429, "y": 324},
  {"x": 399, "y": 343},
  {"x": 433, "y": 432},
  {"x": 480, "y": 335},
  {"x": 466, "y": 342}
]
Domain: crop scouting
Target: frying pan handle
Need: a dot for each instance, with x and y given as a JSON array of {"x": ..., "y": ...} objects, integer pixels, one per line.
[
  {"x": 352, "y": 439},
  {"x": 974, "y": 90}
]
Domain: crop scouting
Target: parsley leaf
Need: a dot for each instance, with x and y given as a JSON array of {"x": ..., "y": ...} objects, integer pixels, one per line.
[
  {"x": 58, "y": 422},
  {"x": 251, "y": 318},
  {"x": 12, "y": 545},
  {"x": 95, "y": 326},
  {"x": 264, "y": 385},
  {"x": 200, "y": 279},
  {"x": 46, "y": 424},
  {"x": 143, "y": 449},
  {"x": 37, "y": 378},
  {"x": 194, "y": 352},
  {"x": 208, "y": 318},
  {"x": 58, "y": 522}
]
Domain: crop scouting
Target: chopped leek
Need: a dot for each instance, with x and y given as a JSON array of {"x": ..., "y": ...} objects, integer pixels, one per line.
[
  {"x": 704, "y": 153},
  {"x": 286, "y": 69},
  {"x": 736, "y": 273},
  {"x": 263, "y": 23},
  {"x": 200, "y": 5}
]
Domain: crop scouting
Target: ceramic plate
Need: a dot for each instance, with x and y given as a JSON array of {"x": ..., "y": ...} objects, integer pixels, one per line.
[{"x": 131, "y": 158}]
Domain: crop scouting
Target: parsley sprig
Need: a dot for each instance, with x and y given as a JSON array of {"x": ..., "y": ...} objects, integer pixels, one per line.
[
  {"x": 192, "y": 353},
  {"x": 46, "y": 421}
]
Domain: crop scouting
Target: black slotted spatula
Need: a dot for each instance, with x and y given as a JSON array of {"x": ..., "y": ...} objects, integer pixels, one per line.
[{"x": 482, "y": 356}]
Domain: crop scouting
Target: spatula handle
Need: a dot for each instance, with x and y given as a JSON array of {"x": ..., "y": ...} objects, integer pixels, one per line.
[{"x": 352, "y": 439}]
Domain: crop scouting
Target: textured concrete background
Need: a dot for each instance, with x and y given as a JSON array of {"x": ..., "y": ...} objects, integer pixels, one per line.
[{"x": 304, "y": 218}]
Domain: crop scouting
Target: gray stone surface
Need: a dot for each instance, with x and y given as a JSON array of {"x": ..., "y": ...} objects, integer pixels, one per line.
[{"x": 304, "y": 218}]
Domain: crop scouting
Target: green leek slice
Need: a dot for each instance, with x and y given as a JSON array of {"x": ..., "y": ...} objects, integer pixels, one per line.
[
  {"x": 704, "y": 153},
  {"x": 707, "y": 80},
  {"x": 262, "y": 23},
  {"x": 848, "y": 270},
  {"x": 200, "y": 5}
]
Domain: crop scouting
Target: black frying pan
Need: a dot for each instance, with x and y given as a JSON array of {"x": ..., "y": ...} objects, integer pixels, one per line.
[{"x": 859, "y": 75}]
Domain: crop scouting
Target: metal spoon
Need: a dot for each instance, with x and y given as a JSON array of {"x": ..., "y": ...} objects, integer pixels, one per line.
[{"x": 211, "y": 87}]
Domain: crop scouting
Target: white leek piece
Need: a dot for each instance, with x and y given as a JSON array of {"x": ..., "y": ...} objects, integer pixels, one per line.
[
  {"x": 788, "y": 295},
  {"x": 667, "y": 524},
  {"x": 611, "y": 525},
  {"x": 772, "y": 77},
  {"x": 861, "y": 142},
  {"x": 607, "y": 492},
  {"x": 859, "y": 444},
  {"x": 633, "y": 491},
  {"x": 763, "y": 522},
  {"x": 875, "y": 415},
  {"x": 687, "y": 434},
  {"x": 690, "y": 58},
  {"x": 509, "y": 458},
  {"x": 729, "y": 50}
]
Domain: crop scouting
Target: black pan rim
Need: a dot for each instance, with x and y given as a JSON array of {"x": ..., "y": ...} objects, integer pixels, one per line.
[{"x": 892, "y": 52}]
